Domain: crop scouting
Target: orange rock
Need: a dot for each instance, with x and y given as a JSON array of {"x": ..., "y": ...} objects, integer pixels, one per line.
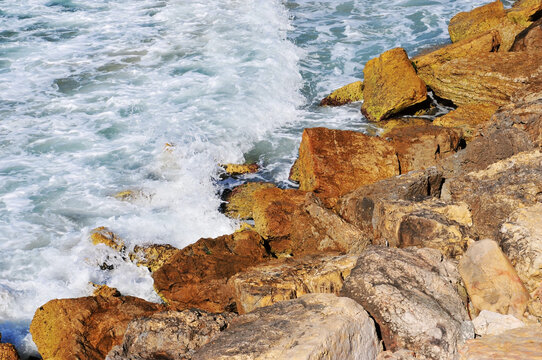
[
  {"x": 529, "y": 39},
  {"x": 240, "y": 200},
  {"x": 105, "y": 291},
  {"x": 471, "y": 119},
  {"x": 523, "y": 11},
  {"x": 102, "y": 235},
  {"x": 240, "y": 169},
  {"x": 344, "y": 95},
  {"x": 152, "y": 256},
  {"x": 391, "y": 124},
  {"x": 8, "y": 352}
]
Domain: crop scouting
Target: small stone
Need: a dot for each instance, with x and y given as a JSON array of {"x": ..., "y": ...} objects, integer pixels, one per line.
[
  {"x": 345, "y": 95},
  {"x": 240, "y": 169}
]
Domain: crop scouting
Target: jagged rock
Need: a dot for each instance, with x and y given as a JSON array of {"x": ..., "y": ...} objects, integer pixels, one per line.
[
  {"x": 8, "y": 352},
  {"x": 290, "y": 278},
  {"x": 240, "y": 169},
  {"x": 152, "y": 256},
  {"x": 314, "y": 326},
  {"x": 102, "y": 235},
  {"x": 412, "y": 295},
  {"x": 487, "y": 78},
  {"x": 240, "y": 201},
  {"x": 516, "y": 344},
  {"x": 334, "y": 162},
  {"x": 169, "y": 335},
  {"x": 494, "y": 193},
  {"x": 471, "y": 119},
  {"x": 196, "y": 276},
  {"x": 105, "y": 291},
  {"x": 345, "y": 95},
  {"x": 529, "y": 39},
  {"x": 521, "y": 241},
  {"x": 420, "y": 147},
  {"x": 491, "y": 281},
  {"x": 391, "y": 85},
  {"x": 492, "y": 323},
  {"x": 294, "y": 174},
  {"x": 87, "y": 327},
  {"x": 388, "y": 125}
]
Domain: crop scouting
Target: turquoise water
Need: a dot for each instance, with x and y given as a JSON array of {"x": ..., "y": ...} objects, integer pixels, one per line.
[{"x": 91, "y": 91}]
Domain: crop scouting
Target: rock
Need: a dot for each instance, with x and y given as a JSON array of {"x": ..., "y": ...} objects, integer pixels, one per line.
[
  {"x": 294, "y": 172},
  {"x": 87, "y": 327},
  {"x": 391, "y": 85},
  {"x": 494, "y": 193},
  {"x": 152, "y": 256},
  {"x": 314, "y": 326},
  {"x": 345, "y": 95},
  {"x": 169, "y": 335},
  {"x": 8, "y": 352},
  {"x": 521, "y": 241},
  {"x": 492, "y": 323},
  {"x": 401, "y": 354},
  {"x": 524, "y": 11},
  {"x": 105, "y": 291},
  {"x": 419, "y": 147},
  {"x": 412, "y": 295},
  {"x": 131, "y": 195},
  {"x": 471, "y": 119},
  {"x": 491, "y": 281},
  {"x": 529, "y": 39},
  {"x": 196, "y": 276},
  {"x": 290, "y": 278},
  {"x": 388, "y": 125},
  {"x": 240, "y": 200},
  {"x": 334, "y": 162},
  {"x": 488, "y": 78},
  {"x": 516, "y": 344},
  {"x": 102, "y": 235},
  {"x": 240, "y": 169}
]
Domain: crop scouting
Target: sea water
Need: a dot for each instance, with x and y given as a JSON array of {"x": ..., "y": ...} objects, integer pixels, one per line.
[{"x": 92, "y": 91}]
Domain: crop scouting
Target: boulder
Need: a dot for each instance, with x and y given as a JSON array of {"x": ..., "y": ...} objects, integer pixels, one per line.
[
  {"x": 521, "y": 241},
  {"x": 87, "y": 327},
  {"x": 334, "y": 162},
  {"x": 492, "y": 323},
  {"x": 169, "y": 335},
  {"x": 314, "y": 326},
  {"x": 491, "y": 281},
  {"x": 152, "y": 256},
  {"x": 8, "y": 352},
  {"x": 516, "y": 344},
  {"x": 241, "y": 199},
  {"x": 388, "y": 125},
  {"x": 345, "y": 95},
  {"x": 391, "y": 85},
  {"x": 529, "y": 39},
  {"x": 524, "y": 12},
  {"x": 495, "y": 192},
  {"x": 412, "y": 295},
  {"x": 240, "y": 169},
  {"x": 471, "y": 119},
  {"x": 102, "y": 235},
  {"x": 196, "y": 276},
  {"x": 290, "y": 278}
]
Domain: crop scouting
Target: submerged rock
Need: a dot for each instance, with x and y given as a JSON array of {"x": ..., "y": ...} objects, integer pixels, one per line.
[
  {"x": 345, "y": 95},
  {"x": 471, "y": 119},
  {"x": 102, "y": 235},
  {"x": 240, "y": 169}
]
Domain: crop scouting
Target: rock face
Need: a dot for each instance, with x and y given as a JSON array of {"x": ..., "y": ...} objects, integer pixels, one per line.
[
  {"x": 494, "y": 193},
  {"x": 240, "y": 201},
  {"x": 471, "y": 119},
  {"x": 196, "y": 276},
  {"x": 391, "y": 85},
  {"x": 521, "y": 241},
  {"x": 334, "y": 162},
  {"x": 290, "y": 278},
  {"x": 85, "y": 328},
  {"x": 492, "y": 323},
  {"x": 516, "y": 344},
  {"x": 152, "y": 256},
  {"x": 412, "y": 295},
  {"x": 491, "y": 281},
  {"x": 345, "y": 95},
  {"x": 314, "y": 326},
  {"x": 169, "y": 335},
  {"x": 529, "y": 39}
]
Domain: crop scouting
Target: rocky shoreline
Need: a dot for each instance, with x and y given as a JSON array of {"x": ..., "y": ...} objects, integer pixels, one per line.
[{"x": 424, "y": 242}]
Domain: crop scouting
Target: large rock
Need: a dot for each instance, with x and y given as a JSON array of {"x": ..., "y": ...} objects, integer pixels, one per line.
[
  {"x": 334, "y": 162},
  {"x": 391, "y": 85},
  {"x": 491, "y": 281},
  {"x": 196, "y": 276},
  {"x": 494, "y": 193},
  {"x": 471, "y": 119},
  {"x": 524, "y": 12},
  {"x": 290, "y": 278},
  {"x": 85, "y": 328},
  {"x": 517, "y": 344},
  {"x": 521, "y": 241},
  {"x": 412, "y": 295},
  {"x": 241, "y": 200},
  {"x": 315, "y": 326},
  {"x": 169, "y": 335},
  {"x": 529, "y": 39},
  {"x": 386, "y": 126},
  {"x": 345, "y": 95}
]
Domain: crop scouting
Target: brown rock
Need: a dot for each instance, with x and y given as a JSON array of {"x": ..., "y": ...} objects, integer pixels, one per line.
[
  {"x": 105, "y": 291},
  {"x": 491, "y": 281},
  {"x": 102, "y": 235},
  {"x": 290, "y": 278},
  {"x": 240, "y": 200},
  {"x": 8, "y": 352},
  {"x": 388, "y": 125},
  {"x": 412, "y": 295},
  {"x": 87, "y": 327},
  {"x": 345, "y": 95},
  {"x": 391, "y": 85},
  {"x": 240, "y": 169},
  {"x": 334, "y": 162},
  {"x": 516, "y": 344},
  {"x": 196, "y": 276},
  {"x": 294, "y": 172},
  {"x": 169, "y": 335},
  {"x": 471, "y": 119},
  {"x": 152, "y": 256},
  {"x": 529, "y": 39}
]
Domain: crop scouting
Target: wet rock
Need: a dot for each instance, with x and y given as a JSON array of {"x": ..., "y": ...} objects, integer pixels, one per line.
[
  {"x": 412, "y": 295},
  {"x": 491, "y": 281},
  {"x": 87, "y": 327},
  {"x": 240, "y": 169},
  {"x": 529, "y": 39},
  {"x": 391, "y": 85},
  {"x": 294, "y": 174},
  {"x": 516, "y": 344},
  {"x": 196, "y": 276},
  {"x": 105, "y": 291},
  {"x": 471, "y": 119},
  {"x": 389, "y": 125},
  {"x": 241, "y": 199},
  {"x": 8, "y": 352},
  {"x": 334, "y": 162},
  {"x": 152, "y": 256},
  {"x": 314, "y": 326},
  {"x": 102, "y": 235},
  {"x": 345, "y": 95},
  {"x": 290, "y": 278},
  {"x": 169, "y": 335},
  {"x": 492, "y": 323}
]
